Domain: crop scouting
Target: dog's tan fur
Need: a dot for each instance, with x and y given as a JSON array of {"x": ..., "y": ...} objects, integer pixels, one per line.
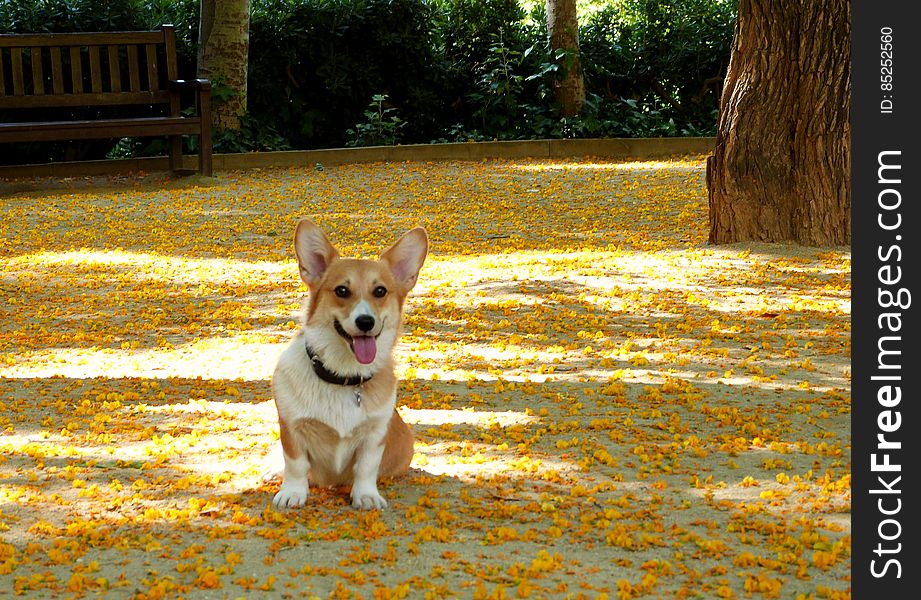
[{"x": 328, "y": 436}]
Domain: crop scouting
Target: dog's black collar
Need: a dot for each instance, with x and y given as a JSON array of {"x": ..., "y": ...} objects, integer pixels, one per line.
[{"x": 328, "y": 376}]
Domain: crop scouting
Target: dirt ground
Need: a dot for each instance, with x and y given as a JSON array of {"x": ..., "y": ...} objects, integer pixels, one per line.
[{"x": 604, "y": 405}]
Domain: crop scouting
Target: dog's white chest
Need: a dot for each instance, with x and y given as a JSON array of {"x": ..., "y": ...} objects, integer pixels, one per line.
[{"x": 331, "y": 454}]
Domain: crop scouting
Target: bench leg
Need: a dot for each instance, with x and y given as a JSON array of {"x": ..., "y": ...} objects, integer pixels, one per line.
[
  {"x": 205, "y": 166},
  {"x": 175, "y": 153}
]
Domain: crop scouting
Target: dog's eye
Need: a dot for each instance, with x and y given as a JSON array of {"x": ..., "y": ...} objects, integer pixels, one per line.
[
  {"x": 342, "y": 291},
  {"x": 380, "y": 291}
]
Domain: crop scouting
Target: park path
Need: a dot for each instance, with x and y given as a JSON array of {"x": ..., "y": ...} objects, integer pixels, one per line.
[{"x": 604, "y": 405}]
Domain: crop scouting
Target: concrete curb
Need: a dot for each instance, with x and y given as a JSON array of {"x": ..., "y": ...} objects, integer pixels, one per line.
[{"x": 639, "y": 148}]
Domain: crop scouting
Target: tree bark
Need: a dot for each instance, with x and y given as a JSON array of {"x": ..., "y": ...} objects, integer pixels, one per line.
[
  {"x": 223, "y": 56},
  {"x": 563, "y": 26},
  {"x": 781, "y": 167}
]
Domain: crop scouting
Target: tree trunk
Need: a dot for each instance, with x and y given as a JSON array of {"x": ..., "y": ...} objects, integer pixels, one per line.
[
  {"x": 563, "y": 25},
  {"x": 223, "y": 55},
  {"x": 781, "y": 167}
]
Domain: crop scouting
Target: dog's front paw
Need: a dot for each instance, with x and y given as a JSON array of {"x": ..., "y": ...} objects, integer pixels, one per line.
[
  {"x": 367, "y": 499},
  {"x": 290, "y": 496}
]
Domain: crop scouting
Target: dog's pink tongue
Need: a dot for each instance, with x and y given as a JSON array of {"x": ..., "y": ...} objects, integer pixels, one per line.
[{"x": 365, "y": 349}]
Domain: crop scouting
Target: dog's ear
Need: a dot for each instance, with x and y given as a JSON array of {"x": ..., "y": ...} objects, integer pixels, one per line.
[
  {"x": 406, "y": 256},
  {"x": 313, "y": 250}
]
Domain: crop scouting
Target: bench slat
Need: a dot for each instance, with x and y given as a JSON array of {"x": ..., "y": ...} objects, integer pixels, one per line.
[
  {"x": 103, "y": 128},
  {"x": 134, "y": 81},
  {"x": 57, "y": 71},
  {"x": 95, "y": 69},
  {"x": 77, "y": 100},
  {"x": 64, "y": 40},
  {"x": 115, "y": 73},
  {"x": 16, "y": 62},
  {"x": 76, "y": 70},
  {"x": 38, "y": 75},
  {"x": 153, "y": 71}
]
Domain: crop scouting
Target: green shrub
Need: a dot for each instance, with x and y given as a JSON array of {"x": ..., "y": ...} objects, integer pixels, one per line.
[
  {"x": 315, "y": 63},
  {"x": 381, "y": 126},
  {"x": 449, "y": 70},
  {"x": 666, "y": 56}
]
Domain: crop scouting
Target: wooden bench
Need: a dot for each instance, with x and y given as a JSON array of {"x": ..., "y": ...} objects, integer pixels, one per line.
[{"x": 100, "y": 85}]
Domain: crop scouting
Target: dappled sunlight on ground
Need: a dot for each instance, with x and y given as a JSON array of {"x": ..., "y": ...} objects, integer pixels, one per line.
[
  {"x": 603, "y": 404},
  {"x": 685, "y": 167}
]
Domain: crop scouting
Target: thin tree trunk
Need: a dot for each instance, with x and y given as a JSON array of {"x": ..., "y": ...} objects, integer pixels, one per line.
[
  {"x": 781, "y": 167},
  {"x": 223, "y": 56},
  {"x": 563, "y": 26}
]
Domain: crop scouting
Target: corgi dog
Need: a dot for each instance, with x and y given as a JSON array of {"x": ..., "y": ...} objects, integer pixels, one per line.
[{"x": 334, "y": 384}]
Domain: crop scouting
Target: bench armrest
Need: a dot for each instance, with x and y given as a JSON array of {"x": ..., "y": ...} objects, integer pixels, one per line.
[
  {"x": 202, "y": 90},
  {"x": 199, "y": 85}
]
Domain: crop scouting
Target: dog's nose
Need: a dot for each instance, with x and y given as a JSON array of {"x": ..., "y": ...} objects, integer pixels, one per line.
[{"x": 364, "y": 322}]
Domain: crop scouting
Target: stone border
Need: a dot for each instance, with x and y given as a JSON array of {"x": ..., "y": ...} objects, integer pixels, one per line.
[{"x": 640, "y": 148}]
